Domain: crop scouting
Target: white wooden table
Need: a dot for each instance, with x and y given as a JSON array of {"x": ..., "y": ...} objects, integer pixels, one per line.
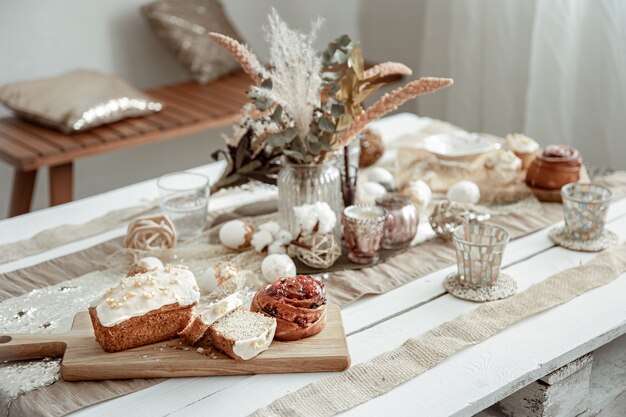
[{"x": 463, "y": 385}]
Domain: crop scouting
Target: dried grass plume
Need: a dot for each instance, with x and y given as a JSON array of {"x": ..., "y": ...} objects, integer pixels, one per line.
[
  {"x": 248, "y": 61},
  {"x": 387, "y": 68},
  {"x": 391, "y": 101}
]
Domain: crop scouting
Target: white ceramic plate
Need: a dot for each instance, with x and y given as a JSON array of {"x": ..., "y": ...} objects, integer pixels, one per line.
[{"x": 457, "y": 145}]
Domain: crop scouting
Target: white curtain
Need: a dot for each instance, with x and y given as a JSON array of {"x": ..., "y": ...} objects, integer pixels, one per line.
[{"x": 552, "y": 69}]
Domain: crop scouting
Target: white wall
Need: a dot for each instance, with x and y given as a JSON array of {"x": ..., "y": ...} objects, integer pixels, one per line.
[{"x": 44, "y": 38}]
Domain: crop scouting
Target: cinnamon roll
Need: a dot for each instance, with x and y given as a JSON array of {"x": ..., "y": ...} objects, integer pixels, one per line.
[{"x": 297, "y": 303}]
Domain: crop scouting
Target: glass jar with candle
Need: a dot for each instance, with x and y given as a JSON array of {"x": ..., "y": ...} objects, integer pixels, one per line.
[{"x": 402, "y": 220}]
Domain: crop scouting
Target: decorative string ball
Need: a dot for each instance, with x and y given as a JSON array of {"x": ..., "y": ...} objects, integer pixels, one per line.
[
  {"x": 151, "y": 233},
  {"x": 319, "y": 251},
  {"x": 448, "y": 215}
]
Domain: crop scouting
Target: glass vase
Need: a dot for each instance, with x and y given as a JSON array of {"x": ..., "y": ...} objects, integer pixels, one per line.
[{"x": 300, "y": 184}]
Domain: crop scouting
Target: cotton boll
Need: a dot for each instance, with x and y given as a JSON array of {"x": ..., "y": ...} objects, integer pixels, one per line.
[
  {"x": 261, "y": 240},
  {"x": 283, "y": 236},
  {"x": 369, "y": 191},
  {"x": 381, "y": 176},
  {"x": 276, "y": 248},
  {"x": 206, "y": 280},
  {"x": 277, "y": 266},
  {"x": 464, "y": 192},
  {"x": 305, "y": 217},
  {"x": 326, "y": 218},
  {"x": 271, "y": 227},
  {"x": 236, "y": 234}
]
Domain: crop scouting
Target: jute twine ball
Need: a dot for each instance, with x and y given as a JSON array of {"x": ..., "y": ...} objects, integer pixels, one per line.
[
  {"x": 321, "y": 251},
  {"x": 151, "y": 233}
]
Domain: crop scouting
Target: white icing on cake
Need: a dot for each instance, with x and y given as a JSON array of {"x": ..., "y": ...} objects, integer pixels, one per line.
[
  {"x": 248, "y": 348},
  {"x": 219, "y": 309},
  {"x": 137, "y": 295}
]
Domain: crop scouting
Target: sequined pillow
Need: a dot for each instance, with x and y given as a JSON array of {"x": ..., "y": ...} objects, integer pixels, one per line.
[
  {"x": 76, "y": 101},
  {"x": 183, "y": 25}
]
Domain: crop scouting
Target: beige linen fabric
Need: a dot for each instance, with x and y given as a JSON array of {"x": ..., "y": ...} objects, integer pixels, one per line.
[
  {"x": 343, "y": 287},
  {"x": 367, "y": 380},
  {"x": 68, "y": 233}
]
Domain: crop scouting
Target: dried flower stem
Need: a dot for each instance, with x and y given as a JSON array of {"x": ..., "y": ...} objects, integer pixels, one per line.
[
  {"x": 391, "y": 101},
  {"x": 248, "y": 61},
  {"x": 387, "y": 68}
]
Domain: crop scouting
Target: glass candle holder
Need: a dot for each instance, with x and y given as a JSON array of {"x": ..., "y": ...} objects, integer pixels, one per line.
[
  {"x": 585, "y": 207},
  {"x": 184, "y": 198},
  {"x": 479, "y": 249},
  {"x": 363, "y": 231},
  {"x": 402, "y": 220}
]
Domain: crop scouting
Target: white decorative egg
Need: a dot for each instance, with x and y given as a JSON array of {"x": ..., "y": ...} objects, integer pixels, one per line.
[
  {"x": 419, "y": 192},
  {"x": 368, "y": 192},
  {"x": 464, "y": 192},
  {"x": 150, "y": 263},
  {"x": 381, "y": 176},
  {"x": 277, "y": 266},
  {"x": 206, "y": 280},
  {"x": 236, "y": 234}
]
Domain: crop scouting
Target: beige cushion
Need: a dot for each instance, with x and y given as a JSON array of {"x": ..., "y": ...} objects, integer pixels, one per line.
[
  {"x": 183, "y": 25},
  {"x": 76, "y": 101}
]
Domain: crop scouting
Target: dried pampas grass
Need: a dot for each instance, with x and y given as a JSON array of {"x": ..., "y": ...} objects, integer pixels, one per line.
[
  {"x": 248, "y": 61},
  {"x": 391, "y": 101},
  {"x": 296, "y": 79}
]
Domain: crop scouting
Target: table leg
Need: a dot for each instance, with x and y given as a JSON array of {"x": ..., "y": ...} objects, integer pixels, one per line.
[
  {"x": 61, "y": 183},
  {"x": 22, "y": 192}
]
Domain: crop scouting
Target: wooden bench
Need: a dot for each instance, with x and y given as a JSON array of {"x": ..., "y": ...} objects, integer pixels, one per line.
[{"x": 189, "y": 108}]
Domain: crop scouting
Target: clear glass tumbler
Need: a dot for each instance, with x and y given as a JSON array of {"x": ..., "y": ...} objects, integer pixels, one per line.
[
  {"x": 585, "y": 207},
  {"x": 479, "y": 249},
  {"x": 184, "y": 198}
]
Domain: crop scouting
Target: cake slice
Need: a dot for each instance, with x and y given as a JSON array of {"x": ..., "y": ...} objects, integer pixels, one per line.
[
  {"x": 242, "y": 334},
  {"x": 201, "y": 321},
  {"x": 146, "y": 308}
]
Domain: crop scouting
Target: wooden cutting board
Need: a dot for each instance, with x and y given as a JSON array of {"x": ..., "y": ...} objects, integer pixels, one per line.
[{"x": 84, "y": 359}]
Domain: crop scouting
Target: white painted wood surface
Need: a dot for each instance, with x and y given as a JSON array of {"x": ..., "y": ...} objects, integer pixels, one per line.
[
  {"x": 562, "y": 393},
  {"x": 464, "y": 384}
]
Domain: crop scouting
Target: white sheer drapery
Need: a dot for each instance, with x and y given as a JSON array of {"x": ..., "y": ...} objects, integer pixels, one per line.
[{"x": 553, "y": 69}]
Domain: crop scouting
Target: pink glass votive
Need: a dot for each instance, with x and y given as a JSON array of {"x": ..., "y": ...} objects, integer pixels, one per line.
[
  {"x": 363, "y": 231},
  {"x": 402, "y": 220}
]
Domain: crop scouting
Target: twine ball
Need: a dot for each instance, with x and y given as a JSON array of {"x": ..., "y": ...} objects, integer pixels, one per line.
[
  {"x": 321, "y": 251},
  {"x": 150, "y": 233}
]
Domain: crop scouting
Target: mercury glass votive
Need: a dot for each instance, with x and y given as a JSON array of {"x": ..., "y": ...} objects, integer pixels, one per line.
[
  {"x": 585, "y": 207},
  {"x": 363, "y": 231},
  {"x": 479, "y": 249},
  {"x": 402, "y": 220}
]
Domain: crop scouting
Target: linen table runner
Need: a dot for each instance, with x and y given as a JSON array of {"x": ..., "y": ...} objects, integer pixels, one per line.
[
  {"x": 343, "y": 287},
  {"x": 368, "y": 380}
]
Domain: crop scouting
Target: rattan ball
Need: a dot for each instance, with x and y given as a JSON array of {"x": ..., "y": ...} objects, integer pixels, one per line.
[
  {"x": 319, "y": 251},
  {"x": 151, "y": 233}
]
